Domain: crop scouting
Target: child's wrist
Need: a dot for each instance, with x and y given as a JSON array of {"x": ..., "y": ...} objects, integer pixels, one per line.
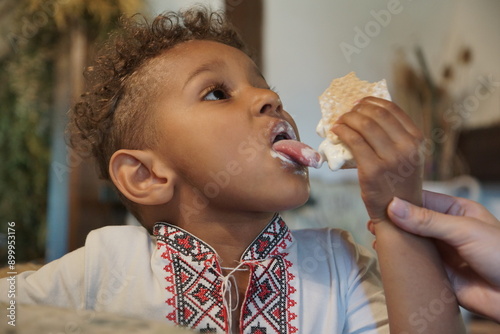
[{"x": 383, "y": 227}]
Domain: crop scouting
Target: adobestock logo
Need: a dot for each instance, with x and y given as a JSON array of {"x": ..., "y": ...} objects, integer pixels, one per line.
[{"x": 363, "y": 36}]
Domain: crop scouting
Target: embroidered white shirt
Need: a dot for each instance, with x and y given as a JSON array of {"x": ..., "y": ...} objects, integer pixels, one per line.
[{"x": 304, "y": 281}]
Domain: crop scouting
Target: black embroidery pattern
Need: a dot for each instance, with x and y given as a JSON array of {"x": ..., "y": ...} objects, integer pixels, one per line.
[
  {"x": 183, "y": 242},
  {"x": 268, "y": 239},
  {"x": 199, "y": 301},
  {"x": 267, "y": 298}
]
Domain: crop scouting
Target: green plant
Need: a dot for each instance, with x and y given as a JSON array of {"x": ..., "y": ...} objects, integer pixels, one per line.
[{"x": 36, "y": 31}]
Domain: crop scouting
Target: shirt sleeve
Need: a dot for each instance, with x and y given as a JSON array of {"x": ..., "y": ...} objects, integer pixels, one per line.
[
  {"x": 58, "y": 283},
  {"x": 366, "y": 310}
]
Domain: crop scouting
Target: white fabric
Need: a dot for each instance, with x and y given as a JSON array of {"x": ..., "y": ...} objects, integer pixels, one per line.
[{"x": 120, "y": 270}]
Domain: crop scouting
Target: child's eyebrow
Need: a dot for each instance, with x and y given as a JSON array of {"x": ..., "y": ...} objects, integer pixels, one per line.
[{"x": 207, "y": 67}]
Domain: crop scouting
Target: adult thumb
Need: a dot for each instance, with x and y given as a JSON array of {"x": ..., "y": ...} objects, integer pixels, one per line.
[{"x": 421, "y": 221}]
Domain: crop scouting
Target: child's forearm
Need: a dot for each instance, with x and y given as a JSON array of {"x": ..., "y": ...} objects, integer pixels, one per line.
[{"x": 419, "y": 298}]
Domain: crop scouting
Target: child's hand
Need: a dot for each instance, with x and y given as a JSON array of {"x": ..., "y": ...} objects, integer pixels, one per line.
[{"x": 386, "y": 146}]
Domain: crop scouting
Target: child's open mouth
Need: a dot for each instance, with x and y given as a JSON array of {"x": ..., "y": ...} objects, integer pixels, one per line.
[{"x": 286, "y": 147}]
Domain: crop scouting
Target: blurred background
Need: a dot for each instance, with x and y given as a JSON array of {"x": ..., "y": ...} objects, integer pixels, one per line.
[{"x": 440, "y": 59}]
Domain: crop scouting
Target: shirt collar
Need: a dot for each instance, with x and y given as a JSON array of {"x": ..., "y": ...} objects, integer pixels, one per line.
[{"x": 274, "y": 239}]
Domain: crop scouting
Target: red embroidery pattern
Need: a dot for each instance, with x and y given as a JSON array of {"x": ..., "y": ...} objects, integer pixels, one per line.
[
  {"x": 269, "y": 299},
  {"x": 192, "y": 279},
  {"x": 194, "y": 282}
]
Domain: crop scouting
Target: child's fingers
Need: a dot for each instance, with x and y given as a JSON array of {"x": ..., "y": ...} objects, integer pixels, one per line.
[
  {"x": 388, "y": 118},
  {"x": 403, "y": 118},
  {"x": 359, "y": 147},
  {"x": 381, "y": 130},
  {"x": 381, "y": 125},
  {"x": 370, "y": 130},
  {"x": 388, "y": 122}
]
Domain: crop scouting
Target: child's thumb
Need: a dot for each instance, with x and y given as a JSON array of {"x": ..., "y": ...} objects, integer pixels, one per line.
[{"x": 420, "y": 221}]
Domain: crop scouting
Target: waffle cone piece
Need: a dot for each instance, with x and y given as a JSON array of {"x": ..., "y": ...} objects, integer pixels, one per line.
[{"x": 335, "y": 101}]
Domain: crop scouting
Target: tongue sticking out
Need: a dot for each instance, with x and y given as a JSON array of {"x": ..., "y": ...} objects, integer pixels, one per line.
[{"x": 298, "y": 152}]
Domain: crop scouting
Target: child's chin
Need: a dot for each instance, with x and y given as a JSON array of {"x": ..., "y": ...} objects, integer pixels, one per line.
[{"x": 295, "y": 202}]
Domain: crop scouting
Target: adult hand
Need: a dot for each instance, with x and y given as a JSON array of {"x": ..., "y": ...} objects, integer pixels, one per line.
[{"x": 469, "y": 244}]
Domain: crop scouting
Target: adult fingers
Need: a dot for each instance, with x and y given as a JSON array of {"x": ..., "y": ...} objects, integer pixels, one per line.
[
  {"x": 429, "y": 223},
  {"x": 442, "y": 203},
  {"x": 457, "y": 206}
]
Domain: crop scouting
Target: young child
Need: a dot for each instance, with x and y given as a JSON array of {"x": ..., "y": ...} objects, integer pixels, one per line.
[{"x": 202, "y": 152}]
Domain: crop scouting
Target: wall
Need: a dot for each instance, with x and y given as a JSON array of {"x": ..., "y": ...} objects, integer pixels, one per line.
[{"x": 477, "y": 24}]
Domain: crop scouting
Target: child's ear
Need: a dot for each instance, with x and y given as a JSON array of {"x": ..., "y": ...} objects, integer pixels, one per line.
[{"x": 141, "y": 177}]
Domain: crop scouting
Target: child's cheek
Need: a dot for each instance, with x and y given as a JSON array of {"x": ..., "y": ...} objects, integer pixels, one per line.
[{"x": 248, "y": 152}]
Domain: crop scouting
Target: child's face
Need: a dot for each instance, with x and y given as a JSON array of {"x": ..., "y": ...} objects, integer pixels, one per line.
[{"x": 217, "y": 120}]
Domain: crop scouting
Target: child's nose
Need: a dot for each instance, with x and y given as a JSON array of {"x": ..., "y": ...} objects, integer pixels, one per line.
[{"x": 267, "y": 102}]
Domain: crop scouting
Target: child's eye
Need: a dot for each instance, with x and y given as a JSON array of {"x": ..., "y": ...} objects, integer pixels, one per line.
[{"x": 216, "y": 93}]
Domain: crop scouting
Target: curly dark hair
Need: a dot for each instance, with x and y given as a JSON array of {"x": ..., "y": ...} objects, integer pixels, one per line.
[{"x": 115, "y": 112}]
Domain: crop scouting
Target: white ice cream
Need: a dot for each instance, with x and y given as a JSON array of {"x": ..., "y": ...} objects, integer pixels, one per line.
[{"x": 335, "y": 154}]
